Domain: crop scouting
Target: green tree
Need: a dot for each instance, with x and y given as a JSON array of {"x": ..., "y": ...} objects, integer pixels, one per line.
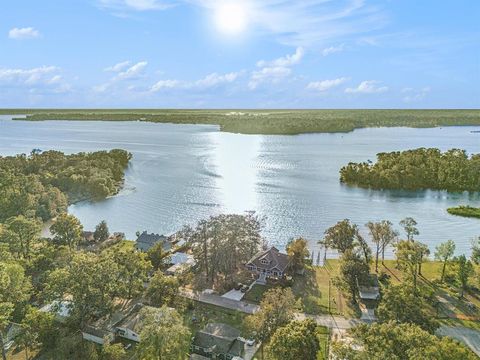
[
  {"x": 101, "y": 232},
  {"x": 394, "y": 341},
  {"x": 163, "y": 336},
  {"x": 132, "y": 269},
  {"x": 409, "y": 255},
  {"x": 163, "y": 289},
  {"x": 277, "y": 309},
  {"x": 353, "y": 271},
  {"x": 37, "y": 329},
  {"x": 67, "y": 230},
  {"x": 464, "y": 271},
  {"x": 15, "y": 290},
  {"x": 21, "y": 234},
  {"x": 113, "y": 352},
  {"x": 222, "y": 244},
  {"x": 296, "y": 340},
  {"x": 443, "y": 253},
  {"x": 157, "y": 256},
  {"x": 341, "y": 236},
  {"x": 393, "y": 307},
  {"x": 410, "y": 226},
  {"x": 382, "y": 235},
  {"x": 297, "y": 250},
  {"x": 91, "y": 283},
  {"x": 476, "y": 250}
]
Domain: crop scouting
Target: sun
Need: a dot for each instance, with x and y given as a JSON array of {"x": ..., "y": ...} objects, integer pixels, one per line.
[{"x": 231, "y": 18}]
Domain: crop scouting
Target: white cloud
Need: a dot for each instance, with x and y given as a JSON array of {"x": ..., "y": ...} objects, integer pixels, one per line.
[
  {"x": 133, "y": 72},
  {"x": 368, "y": 87},
  {"x": 35, "y": 79},
  {"x": 287, "y": 60},
  {"x": 325, "y": 85},
  {"x": 275, "y": 70},
  {"x": 165, "y": 84},
  {"x": 23, "y": 33},
  {"x": 216, "y": 79},
  {"x": 415, "y": 95},
  {"x": 333, "y": 49},
  {"x": 136, "y": 5},
  {"x": 118, "y": 67},
  {"x": 207, "y": 82}
]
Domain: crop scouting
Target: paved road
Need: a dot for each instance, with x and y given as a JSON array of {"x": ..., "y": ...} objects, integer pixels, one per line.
[{"x": 468, "y": 336}]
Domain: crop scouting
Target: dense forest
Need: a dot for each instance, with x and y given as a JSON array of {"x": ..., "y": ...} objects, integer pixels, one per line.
[
  {"x": 272, "y": 122},
  {"x": 42, "y": 184},
  {"x": 417, "y": 169}
]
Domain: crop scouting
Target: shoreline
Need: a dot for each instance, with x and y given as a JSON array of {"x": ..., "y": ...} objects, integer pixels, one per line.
[{"x": 265, "y": 122}]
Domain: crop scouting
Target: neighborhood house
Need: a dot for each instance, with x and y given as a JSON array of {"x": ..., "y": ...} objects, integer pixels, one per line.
[
  {"x": 145, "y": 241},
  {"x": 269, "y": 263},
  {"x": 218, "y": 341}
]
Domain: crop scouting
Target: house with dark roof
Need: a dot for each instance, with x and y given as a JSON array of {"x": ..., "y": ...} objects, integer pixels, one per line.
[
  {"x": 269, "y": 263},
  {"x": 218, "y": 341},
  {"x": 145, "y": 241}
]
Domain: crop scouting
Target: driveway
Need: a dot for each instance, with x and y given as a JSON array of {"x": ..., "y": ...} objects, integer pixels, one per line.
[
  {"x": 469, "y": 337},
  {"x": 234, "y": 295},
  {"x": 218, "y": 300}
]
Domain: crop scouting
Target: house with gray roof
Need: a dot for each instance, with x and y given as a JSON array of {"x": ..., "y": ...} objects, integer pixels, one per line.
[
  {"x": 145, "y": 241},
  {"x": 218, "y": 341},
  {"x": 269, "y": 263}
]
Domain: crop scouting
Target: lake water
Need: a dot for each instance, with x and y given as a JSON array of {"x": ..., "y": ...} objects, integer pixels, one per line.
[{"x": 182, "y": 173}]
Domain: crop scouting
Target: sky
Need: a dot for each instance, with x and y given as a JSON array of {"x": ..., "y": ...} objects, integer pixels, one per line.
[{"x": 240, "y": 54}]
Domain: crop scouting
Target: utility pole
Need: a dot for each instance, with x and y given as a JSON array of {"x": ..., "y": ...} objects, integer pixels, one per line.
[{"x": 329, "y": 281}]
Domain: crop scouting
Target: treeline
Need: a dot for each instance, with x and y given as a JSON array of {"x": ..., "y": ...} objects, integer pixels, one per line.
[
  {"x": 272, "y": 122},
  {"x": 417, "y": 169},
  {"x": 42, "y": 184}
]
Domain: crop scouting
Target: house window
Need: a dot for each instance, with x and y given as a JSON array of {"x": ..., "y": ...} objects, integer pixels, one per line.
[
  {"x": 263, "y": 261},
  {"x": 275, "y": 273}
]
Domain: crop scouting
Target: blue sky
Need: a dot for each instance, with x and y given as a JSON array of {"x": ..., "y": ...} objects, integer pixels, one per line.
[{"x": 240, "y": 53}]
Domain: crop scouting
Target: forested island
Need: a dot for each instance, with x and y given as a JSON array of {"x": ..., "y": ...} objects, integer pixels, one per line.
[
  {"x": 419, "y": 169},
  {"x": 465, "y": 211},
  {"x": 272, "y": 122},
  {"x": 43, "y": 184}
]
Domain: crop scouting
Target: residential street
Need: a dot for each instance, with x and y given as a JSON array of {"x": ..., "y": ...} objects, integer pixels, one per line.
[{"x": 337, "y": 323}]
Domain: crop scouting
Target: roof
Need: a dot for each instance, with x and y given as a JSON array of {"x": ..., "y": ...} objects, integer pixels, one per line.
[
  {"x": 371, "y": 290},
  {"x": 181, "y": 258},
  {"x": 274, "y": 258},
  {"x": 91, "y": 330},
  {"x": 221, "y": 339},
  {"x": 61, "y": 309},
  {"x": 134, "y": 321},
  {"x": 145, "y": 241}
]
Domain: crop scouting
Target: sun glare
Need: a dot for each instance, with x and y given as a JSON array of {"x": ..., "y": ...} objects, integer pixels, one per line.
[{"x": 231, "y": 18}]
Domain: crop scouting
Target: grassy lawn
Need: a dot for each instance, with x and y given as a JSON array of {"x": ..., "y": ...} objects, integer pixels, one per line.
[{"x": 451, "y": 308}]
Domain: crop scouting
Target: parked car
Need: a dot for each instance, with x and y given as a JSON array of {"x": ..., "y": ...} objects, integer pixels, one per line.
[
  {"x": 250, "y": 342},
  {"x": 244, "y": 288},
  {"x": 238, "y": 286}
]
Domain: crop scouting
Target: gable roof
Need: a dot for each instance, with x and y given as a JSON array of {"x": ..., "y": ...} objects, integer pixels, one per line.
[
  {"x": 220, "y": 339},
  {"x": 145, "y": 241},
  {"x": 274, "y": 258}
]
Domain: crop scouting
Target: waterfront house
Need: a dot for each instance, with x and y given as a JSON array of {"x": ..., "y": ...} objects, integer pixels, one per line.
[
  {"x": 269, "y": 263},
  {"x": 218, "y": 341},
  {"x": 145, "y": 241}
]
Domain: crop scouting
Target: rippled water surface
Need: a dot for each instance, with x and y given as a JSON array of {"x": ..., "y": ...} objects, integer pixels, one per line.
[{"x": 182, "y": 173}]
